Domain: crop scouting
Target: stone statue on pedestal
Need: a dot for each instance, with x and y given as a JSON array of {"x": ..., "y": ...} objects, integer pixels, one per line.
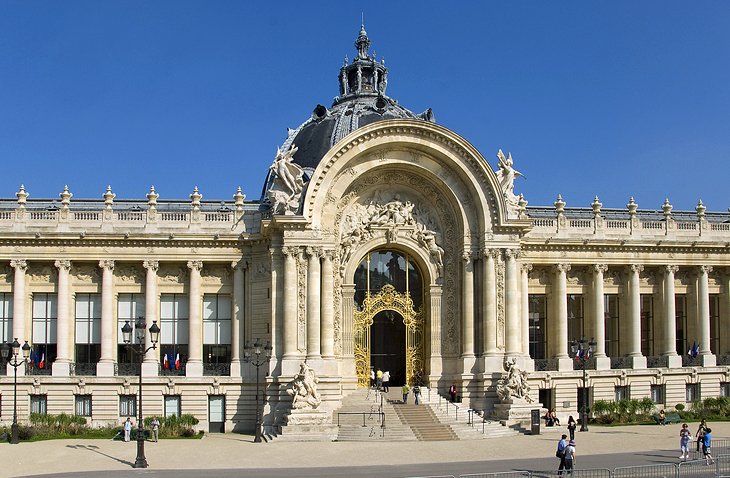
[
  {"x": 513, "y": 384},
  {"x": 304, "y": 388},
  {"x": 288, "y": 184}
]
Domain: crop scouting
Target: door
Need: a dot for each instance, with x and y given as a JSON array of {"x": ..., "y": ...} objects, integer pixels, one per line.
[
  {"x": 216, "y": 413},
  {"x": 388, "y": 345}
]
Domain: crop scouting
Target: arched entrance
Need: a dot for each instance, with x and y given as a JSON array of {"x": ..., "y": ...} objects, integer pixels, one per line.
[{"x": 388, "y": 293}]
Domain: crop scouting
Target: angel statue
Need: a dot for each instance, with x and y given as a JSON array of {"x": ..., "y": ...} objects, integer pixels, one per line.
[
  {"x": 288, "y": 182},
  {"x": 506, "y": 175}
]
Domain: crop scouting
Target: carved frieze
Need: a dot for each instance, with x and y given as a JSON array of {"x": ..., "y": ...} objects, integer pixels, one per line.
[
  {"x": 6, "y": 274},
  {"x": 539, "y": 276},
  {"x": 129, "y": 273},
  {"x": 85, "y": 273},
  {"x": 577, "y": 276},
  {"x": 301, "y": 302},
  {"x": 501, "y": 314},
  {"x": 216, "y": 274},
  {"x": 42, "y": 273},
  {"x": 173, "y": 273},
  {"x": 612, "y": 277}
]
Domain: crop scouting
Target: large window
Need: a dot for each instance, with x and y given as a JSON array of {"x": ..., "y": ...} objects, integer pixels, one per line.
[
  {"x": 575, "y": 318},
  {"x": 692, "y": 392},
  {"x": 612, "y": 324},
  {"x": 680, "y": 303},
  {"x": 39, "y": 404},
  {"x": 621, "y": 392},
  {"x": 174, "y": 328},
  {"x": 538, "y": 326},
  {"x": 216, "y": 329},
  {"x": 127, "y": 405},
  {"x": 715, "y": 323},
  {"x": 88, "y": 328},
  {"x": 725, "y": 389},
  {"x": 172, "y": 405},
  {"x": 129, "y": 307},
  {"x": 45, "y": 316},
  {"x": 658, "y": 394},
  {"x": 647, "y": 325},
  {"x": 379, "y": 268},
  {"x": 6, "y": 317},
  {"x": 83, "y": 405}
]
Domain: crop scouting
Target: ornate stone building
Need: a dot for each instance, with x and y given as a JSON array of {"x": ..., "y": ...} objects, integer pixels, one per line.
[{"x": 381, "y": 240}]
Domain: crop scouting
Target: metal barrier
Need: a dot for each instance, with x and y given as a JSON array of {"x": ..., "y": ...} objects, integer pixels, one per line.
[
  {"x": 664, "y": 470},
  {"x": 365, "y": 415},
  {"x": 722, "y": 463},
  {"x": 695, "y": 469},
  {"x": 432, "y": 476},
  {"x": 588, "y": 473},
  {"x": 501, "y": 474}
]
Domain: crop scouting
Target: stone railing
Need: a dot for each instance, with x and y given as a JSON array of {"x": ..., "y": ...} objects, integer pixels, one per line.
[{"x": 630, "y": 228}]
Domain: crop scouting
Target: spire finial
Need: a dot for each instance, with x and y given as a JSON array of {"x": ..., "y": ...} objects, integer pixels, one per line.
[{"x": 363, "y": 42}]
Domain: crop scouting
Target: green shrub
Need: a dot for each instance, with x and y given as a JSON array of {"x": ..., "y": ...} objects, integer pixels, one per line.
[{"x": 679, "y": 407}]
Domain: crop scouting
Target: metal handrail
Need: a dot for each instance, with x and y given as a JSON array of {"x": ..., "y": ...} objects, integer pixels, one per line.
[{"x": 364, "y": 415}]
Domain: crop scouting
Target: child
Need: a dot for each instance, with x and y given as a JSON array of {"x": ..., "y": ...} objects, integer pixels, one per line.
[
  {"x": 706, "y": 442},
  {"x": 684, "y": 437}
]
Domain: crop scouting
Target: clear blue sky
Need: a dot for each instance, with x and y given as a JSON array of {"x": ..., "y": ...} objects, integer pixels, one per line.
[{"x": 607, "y": 98}]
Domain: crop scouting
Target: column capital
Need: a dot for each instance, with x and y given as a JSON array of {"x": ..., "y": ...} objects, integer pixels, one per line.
[
  {"x": 671, "y": 269},
  {"x": 467, "y": 256},
  {"x": 705, "y": 269},
  {"x": 328, "y": 254},
  {"x": 195, "y": 265},
  {"x": 239, "y": 265},
  {"x": 314, "y": 252},
  {"x": 562, "y": 267},
  {"x": 290, "y": 250},
  {"x": 63, "y": 264},
  {"x": 511, "y": 253},
  {"x": 106, "y": 264},
  {"x": 525, "y": 267},
  {"x": 600, "y": 268},
  {"x": 636, "y": 267},
  {"x": 19, "y": 264},
  {"x": 151, "y": 265}
]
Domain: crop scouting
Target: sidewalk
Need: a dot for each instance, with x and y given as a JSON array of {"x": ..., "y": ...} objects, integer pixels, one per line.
[{"x": 223, "y": 451}]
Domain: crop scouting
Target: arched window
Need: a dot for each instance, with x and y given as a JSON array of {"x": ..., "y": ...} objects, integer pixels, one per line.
[{"x": 382, "y": 267}]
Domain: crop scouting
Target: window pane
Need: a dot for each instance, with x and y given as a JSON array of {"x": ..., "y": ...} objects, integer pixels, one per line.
[
  {"x": 224, "y": 307},
  {"x": 210, "y": 306}
]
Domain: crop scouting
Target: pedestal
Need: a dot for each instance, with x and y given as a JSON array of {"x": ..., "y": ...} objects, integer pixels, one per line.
[
  {"x": 105, "y": 369},
  {"x": 603, "y": 363},
  {"x": 516, "y": 410},
  {"x": 306, "y": 424},
  {"x": 61, "y": 369}
]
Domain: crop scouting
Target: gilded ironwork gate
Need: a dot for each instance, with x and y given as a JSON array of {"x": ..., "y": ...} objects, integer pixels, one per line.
[{"x": 389, "y": 299}]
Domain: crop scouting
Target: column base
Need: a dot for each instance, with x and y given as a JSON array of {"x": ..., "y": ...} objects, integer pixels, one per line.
[
  {"x": 492, "y": 363},
  {"x": 150, "y": 369},
  {"x": 61, "y": 369},
  {"x": 674, "y": 361},
  {"x": 526, "y": 363},
  {"x": 236, "y": 368},
  {"x": 565, "y": 364},
  {"x": 708, "y": 360},
  {"x": 639, "y": 362},
  {"x": 105, "y": 369},
  {"x": 289, "y": 366},
  {"x": 603, "y": 363},
  {"x": 194, "y": 369},
  {"x": 469, "y": 364}
]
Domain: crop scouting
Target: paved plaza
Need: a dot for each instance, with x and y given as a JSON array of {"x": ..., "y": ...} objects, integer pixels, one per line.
[{"x": 235, "y": 455}]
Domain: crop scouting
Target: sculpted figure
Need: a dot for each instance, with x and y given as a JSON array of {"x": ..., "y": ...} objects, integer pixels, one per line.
[
  {"x": 288, "y": 183},
  {"x": 514, "y": 383},
  {"x": 506, "y": 175},
  {"x": 304, "y": 388}
]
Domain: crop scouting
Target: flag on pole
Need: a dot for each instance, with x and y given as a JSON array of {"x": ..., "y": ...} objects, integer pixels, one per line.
[
  {"x": 177, "y": 362},
  {"x": 42, "y": 363},
  {"x": 695, "y": 349},
  {"x": 165, "y": 362}
]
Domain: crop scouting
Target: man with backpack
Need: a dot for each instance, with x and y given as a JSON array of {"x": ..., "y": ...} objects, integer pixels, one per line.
[{"x": 560, "y": 453}]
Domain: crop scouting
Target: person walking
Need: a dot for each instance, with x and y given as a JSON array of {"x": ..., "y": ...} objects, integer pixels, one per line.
[
  {"x": 155, "y": 424},
  {"x": 127, "y": 429},
  {"x": 560, "y": 453},
  {"x": 684, "y": 438},
  {"x": 700, "y": 433},
  {"x": 571, "y": 427},
  {"x": 453, "y": 391},
  {"x": 417, "y": 394},
  {"x": 379, "y": 379},
  {"x": 386, "y": 381},
  {"x": 706, "y": 442},
  {"x": 372, "y": 377},
  {"x": 405, "y": 391},
  {"x": 570, "y": 457}
]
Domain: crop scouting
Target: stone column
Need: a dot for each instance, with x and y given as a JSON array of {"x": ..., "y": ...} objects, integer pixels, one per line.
[
  {"x": 327, "y": 310},
  {"x": 290, "y": 302},
  {"x": 489, "y": 298},
  {"x": 670, "y": 317},
  {"x": 703, "y": 312},
  {"x": 105, "y": 367},
  {"x": 314, "y": 289},
  {"x": 237, "y": 316},
  {"x": 64, "y": 327},
  {"x": 348, "y": 331},
  {"x": 634, "y": 349},
  {"x": 513, "y": 331},
  {"x": 599, "y": 317},
  {"x": 150, "y": 365},
  {"x": 525, "y": 307},
  {"x": 194, "y": 365},
  {"x": 560, "y": 349},
  {"x": 436, "y": 320},
  {"x": 467, "y": 323},
  {"x": 20, "y": 267}
]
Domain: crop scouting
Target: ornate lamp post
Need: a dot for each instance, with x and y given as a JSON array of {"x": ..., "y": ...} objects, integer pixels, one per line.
[
  {"x": 10, "y": 353},
  {"x": 582, "y": 350},
  {"x": 257, "y": 362},
  {"x": 138, "y": 348}
]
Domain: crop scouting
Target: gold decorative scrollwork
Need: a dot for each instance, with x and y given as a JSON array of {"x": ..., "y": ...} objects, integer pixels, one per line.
[{"x": 389, "y": 299}]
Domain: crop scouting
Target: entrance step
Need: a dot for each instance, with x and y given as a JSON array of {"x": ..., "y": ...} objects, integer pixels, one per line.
[
  {"x": 363, "y": 407},
  {"x": 423, "y": 422}
]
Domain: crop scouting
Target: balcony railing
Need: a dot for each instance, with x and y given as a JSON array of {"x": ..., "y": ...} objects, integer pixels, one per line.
[
  {"x": 688, "y": 361},
  {"x": 657, "y": 362},
  {"x": 723, "y": 360},
  {"x": 590, "y": 364},
  {"x": 214, "y": 369},
  {"x": 36, "y": 370},
  {"x": 620, "y": 362},
  {"x": 546, "y": 364},
  {"x": 172, "y": 371},
  {"x": 127, "y": 369},
  {"x": 81, "y": 368}
]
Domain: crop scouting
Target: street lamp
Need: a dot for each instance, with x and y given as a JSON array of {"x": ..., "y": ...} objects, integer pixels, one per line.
[
  {"x": 257, "y": 362},
  {"x": 582, "y": 350},
  {"x": 138, "y": 348},
  {"x": 10, "y": 354}
]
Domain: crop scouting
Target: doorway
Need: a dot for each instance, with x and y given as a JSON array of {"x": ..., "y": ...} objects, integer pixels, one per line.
[
  {"x": 216, "y": 414},
  {"x": 388, "y": 345}
]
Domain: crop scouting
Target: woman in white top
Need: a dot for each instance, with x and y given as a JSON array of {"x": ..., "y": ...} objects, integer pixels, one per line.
[{"x": 570, "y": 456}]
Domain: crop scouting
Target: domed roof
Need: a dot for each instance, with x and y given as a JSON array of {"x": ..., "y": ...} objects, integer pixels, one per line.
[{"x": 362, "y": 100}]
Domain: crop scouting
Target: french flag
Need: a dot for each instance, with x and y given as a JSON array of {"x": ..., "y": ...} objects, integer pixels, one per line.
[
  {"x": 42, "y": 363},
  {"x": 165, "y": 362},
  {"x": 177, "y": 362}
]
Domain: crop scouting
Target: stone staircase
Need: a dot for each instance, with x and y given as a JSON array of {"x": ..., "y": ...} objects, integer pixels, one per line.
[
  {"x": 361, "y": 408},
  {"x": 425, "y": 425}
]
